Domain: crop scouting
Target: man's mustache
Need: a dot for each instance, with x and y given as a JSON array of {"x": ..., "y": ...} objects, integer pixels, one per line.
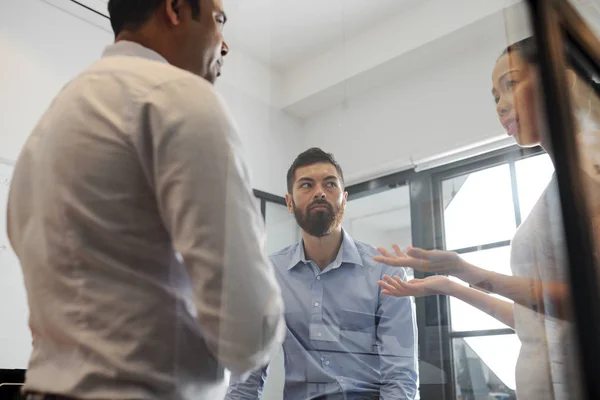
[{"x": 320, "y": 203}]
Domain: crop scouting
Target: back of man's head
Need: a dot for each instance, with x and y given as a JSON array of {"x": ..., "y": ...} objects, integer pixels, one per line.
[
  {"x": 132, "y": 14},
  {"x": 314, "y": 155},
  {"x": 186, "y": 33}
]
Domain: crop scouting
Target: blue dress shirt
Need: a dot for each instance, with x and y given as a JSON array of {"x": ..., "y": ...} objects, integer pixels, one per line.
[{"x": 344, "y": 338}]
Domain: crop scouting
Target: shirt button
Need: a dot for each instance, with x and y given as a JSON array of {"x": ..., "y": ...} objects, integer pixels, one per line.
[
  {"x": 316, "y": 304},
  {"x": 322, "y": 358},
  {"x": 318, "y": 278},
  {"x": 326, "y": 362},
  {"x": 319, "y": 334}
]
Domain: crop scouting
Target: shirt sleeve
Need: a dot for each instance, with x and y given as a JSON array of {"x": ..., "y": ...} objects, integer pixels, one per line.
[
  {"x": 397, "y": 344},
  {"x": 247, "y": 388},
  {"x": 191, "y": 154}
]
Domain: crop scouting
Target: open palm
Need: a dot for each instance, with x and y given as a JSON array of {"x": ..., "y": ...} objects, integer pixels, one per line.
[
  {"x": 417, "y": 287},
  {"x": 431, "y": 261}
]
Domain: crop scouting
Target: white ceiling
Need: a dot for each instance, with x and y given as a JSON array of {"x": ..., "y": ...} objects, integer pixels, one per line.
[{"x": 281, "y": 33}]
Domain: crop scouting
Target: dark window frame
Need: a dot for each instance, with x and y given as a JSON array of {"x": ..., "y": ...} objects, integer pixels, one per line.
[{"x": 426, "y": 203}]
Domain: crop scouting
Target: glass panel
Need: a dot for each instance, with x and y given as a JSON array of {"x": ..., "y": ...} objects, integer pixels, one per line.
[
  {"x": 478, "y": 208},
  {"x": 282, "y": 229},
  {"x": 258, "y": 202},
  {"x": 385, "y": 86},
  {"x": 381, "y": 219},
  {"x": 533, "y": 175},
  {"x": 15, "y": 337},
  {"x": 590, "y": 11},
  {"x": 485, "y": 367},
  {"x": 468, "y": 318}
]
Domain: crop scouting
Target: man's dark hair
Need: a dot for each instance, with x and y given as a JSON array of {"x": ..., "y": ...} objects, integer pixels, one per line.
[
  {"x": 132, "y": 14},
  {"x": 311, "y": 156}
]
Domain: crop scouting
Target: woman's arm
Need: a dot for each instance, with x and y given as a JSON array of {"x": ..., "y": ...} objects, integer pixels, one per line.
[
  {"x": 500, "y": 309},
  {"x": 524, "y": 291},
  {"x": 527, "y": 292}
]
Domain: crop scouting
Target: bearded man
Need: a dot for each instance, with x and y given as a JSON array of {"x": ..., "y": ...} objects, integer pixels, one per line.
[{"x": 345, "y": 340}]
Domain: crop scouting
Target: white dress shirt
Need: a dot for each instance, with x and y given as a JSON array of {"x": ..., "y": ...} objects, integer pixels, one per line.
[{"x": 134, "y": 163}]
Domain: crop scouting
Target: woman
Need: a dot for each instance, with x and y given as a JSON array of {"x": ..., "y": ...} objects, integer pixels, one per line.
[{"x": 541, "y": 308}]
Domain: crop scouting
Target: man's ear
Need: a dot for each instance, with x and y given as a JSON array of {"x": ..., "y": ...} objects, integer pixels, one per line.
[
  {"x": 345, "y": 199},
  {"x": 290, "y": 203},
  {"x": 173, "y": 11}
]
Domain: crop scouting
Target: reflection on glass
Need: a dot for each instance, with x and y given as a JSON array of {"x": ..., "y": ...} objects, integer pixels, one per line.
[
  {"x": 466, "y": 317},
  {"x": 533, "y": 175},
  {"x": 15, "y": 346},
  {"x": 485, "y": 367},
  {"x": 381, "y": 219},
  {"x": 478, "y": 209},
  {"x": 282, "y": 230}
]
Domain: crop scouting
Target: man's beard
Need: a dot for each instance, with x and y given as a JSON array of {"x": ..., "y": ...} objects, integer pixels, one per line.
[{"x": 319, "y": 222}]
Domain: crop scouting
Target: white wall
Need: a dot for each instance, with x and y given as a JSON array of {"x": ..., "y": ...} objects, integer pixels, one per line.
[
  {"x": 271, "y": 138},
  {"x": 42, "y": 52},
  {"x": 430, "y": 110},
  {"x": 42, "y": 48}
]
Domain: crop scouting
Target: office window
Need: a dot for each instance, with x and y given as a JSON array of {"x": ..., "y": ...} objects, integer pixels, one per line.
[
  {"x": 381, "y": 219},
  {"x": 478, "y": 208},
  {"x": 282, "y": 229},
  {"x": 533, "y": 175},
  {"x": 481, "y": 212}
]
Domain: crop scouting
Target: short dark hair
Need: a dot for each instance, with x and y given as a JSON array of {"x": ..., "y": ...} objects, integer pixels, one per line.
[
  {"x": 526, "y": 48},
  {"x": 311, "y": 156},
  {"x": 132, "y": 14}
]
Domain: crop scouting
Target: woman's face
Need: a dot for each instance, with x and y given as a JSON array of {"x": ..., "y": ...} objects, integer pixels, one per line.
[{"x": 513, "y": 88}]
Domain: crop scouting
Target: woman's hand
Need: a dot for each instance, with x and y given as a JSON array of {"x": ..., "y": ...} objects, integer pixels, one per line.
[
  {"x": 431, "y": 261},
  {"x": 417, "y": 287}
]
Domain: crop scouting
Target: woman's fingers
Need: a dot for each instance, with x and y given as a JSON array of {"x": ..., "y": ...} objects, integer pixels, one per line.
[
  {"x": 398, "y": 259},
  {"x": 392, "y": 281},
  {"x": 386, "y": 286},
  {"x": 416, "y": 252},
  {"x": 384, "y": 252},
  {"x": 396, "y": 287},
  {"x": 398, "y": 251}
]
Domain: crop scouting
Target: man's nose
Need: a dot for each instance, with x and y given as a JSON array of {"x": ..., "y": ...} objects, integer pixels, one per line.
[{"x": 319, "y": 193}]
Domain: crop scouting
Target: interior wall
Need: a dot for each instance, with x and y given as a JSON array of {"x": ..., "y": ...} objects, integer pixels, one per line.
[
  {"x": 426, "y": 112},
  {"x": 49, "y": 47},
  {"x": 271, "y": 138}
]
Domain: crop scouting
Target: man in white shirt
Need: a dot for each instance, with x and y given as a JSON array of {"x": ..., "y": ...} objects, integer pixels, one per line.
[{"x": 133, "y": 217}]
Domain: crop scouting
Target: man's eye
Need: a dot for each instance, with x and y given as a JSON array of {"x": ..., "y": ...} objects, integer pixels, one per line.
[{"x": 332, "y": 184}]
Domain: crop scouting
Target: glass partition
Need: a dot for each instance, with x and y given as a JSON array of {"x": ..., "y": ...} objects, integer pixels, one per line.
[
  {"x": 456, "y": 128},
  {"x": 281, "y": 226}
]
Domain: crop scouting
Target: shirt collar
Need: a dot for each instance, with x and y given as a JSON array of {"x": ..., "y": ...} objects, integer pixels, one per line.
[
  {"x": 132, "y": 49},
  {"x": 348, "y": 253}
]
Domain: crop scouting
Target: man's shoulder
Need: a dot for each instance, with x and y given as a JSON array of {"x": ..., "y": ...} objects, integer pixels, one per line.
[
  {"x": 365, "y": 248},
  {"x": 366, "y": 252},
  {"x": 143, "y": 77},
  {"x": 282, "y": 258}
]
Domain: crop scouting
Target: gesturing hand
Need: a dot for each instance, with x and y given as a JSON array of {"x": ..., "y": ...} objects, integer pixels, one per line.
[
  {"x": 417, "y": 287},
  {"x": 432, "y": 261}
]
